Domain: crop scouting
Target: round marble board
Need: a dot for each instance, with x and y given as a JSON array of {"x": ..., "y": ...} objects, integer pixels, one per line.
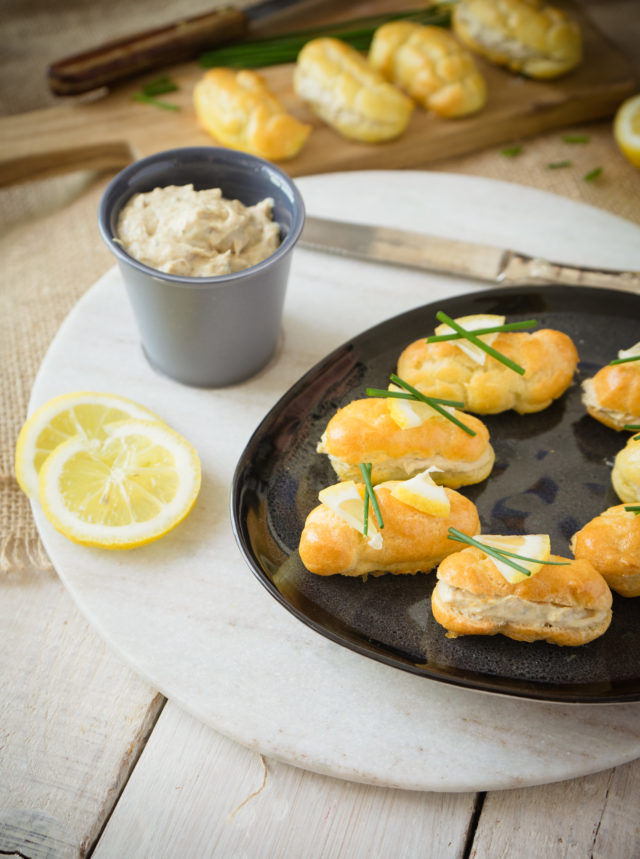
[{"x": 187, "y": 613}]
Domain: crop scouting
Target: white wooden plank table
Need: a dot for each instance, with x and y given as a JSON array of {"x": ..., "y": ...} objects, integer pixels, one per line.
[{"x": 93, "y": 761}]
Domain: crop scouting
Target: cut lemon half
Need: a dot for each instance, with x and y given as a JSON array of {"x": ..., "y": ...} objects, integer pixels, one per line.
[
  {"x": 346, "y": 499},
  {"x": 422, "y": 493},
  {"x": 472, "y": 323},
  {"x": 123, "y": 491},
  {"x": 84, "y": 413},
  {"x": 536, "y": 546},
  {"x": 412, "y": 413},
  {"x": 626, "y": 129}
]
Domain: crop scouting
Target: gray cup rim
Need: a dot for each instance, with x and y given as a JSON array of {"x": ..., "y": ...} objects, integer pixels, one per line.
[{"x": 113, "y": 196}]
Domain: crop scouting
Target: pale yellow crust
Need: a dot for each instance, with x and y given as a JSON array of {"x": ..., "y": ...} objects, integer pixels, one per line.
[
  {"x": 612, "y": 396},
  {"x": 430, "y": 65},
  {"x": 577, "y": 585},
  {"x": 527, "y": 36},
  {"x": 240, "y": 111},
  {"x": 349, "y": 94},
  {"x": 412, "y": 541},
  {"x": 611, "y": 542},
  {"x": 548, "y": 357},
  {"x": 625, "y": 475},
  {"x": 364, "y": 431}
]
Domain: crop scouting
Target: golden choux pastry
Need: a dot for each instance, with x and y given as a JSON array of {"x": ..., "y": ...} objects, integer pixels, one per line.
[
  {"x": 430, "y": 65},
  {"x": 565, "y": 605},
  {"x": 348, "y": 94},
  {"x": 240, "y": 111},
  {"x": 548, "y": 357},
  {"x": 412, "y": 541},
  {"x": 527, "y": 36},
  {"x": 611, "y": 542},
  {"x": 625, "y": 474},
  {"x": 364, "y": 431},
  {"x": 612, "y": 396}
]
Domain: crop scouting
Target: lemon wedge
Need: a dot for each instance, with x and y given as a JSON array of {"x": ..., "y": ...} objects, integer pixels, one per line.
[
  {"x": 631, "y": 352},
  {"x": 125, "y": 490},
  {"x": 84, "y": 413},
  {"x": 536, "y": 546},
  {"x": 346, "y": 499},
  {"x": 412, "y": 413},
  {"x": 472, "y": 323},
  {"x": 626, "y": 129},
  {"x": 422, "y": 493}
]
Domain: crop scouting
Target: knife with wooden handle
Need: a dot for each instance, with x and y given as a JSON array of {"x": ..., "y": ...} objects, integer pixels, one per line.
[
  {"x": 182, "y": 40},
  {"x": 499, "y": 266}
]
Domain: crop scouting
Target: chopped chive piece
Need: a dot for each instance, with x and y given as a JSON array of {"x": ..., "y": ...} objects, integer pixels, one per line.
[
  {"x": 434, "y": 402},
  {"x": 632, "y": 428},
  {"x": 148, "y": 99},
  {"x": 511, "y": 151},
  {"x": 592, "y": 174},
  {"x": 508, "y": 326},
  {"x": 576, "y": 138},
  {"x": 472, "y": 338},
  {"x": 365, "y": 511},
  {"x": 625, "y": 360},
  {"x": 556, "y": 165},
  {"x": 459, "y": 537},
  {"x": 405, "y": 395},
  {"x": 502, "y": 554},
  {"x": 284, "y": 48},
  {"x": 369, "y": 495},
  {"x": 632, "y": 508},
  {"x": 160, "y": 86}
]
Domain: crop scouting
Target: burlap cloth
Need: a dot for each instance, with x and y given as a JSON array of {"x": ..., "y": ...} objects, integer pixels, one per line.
[{"x": 52, "y": 253}]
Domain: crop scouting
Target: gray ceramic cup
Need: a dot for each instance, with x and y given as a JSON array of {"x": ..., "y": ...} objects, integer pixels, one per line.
[{"x": 207, "y": 331}]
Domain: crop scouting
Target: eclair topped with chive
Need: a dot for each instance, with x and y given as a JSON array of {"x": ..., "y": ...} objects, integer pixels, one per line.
[
  {"x": 484, "y": 590},
  {"x": 491, "y": 365},
  {"x": 401, "y": 433},
  {"x": 612, "y": 396}
]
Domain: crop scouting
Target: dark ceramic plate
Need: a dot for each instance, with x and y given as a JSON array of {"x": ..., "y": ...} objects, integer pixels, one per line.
[{"x": 552, "y": 475}]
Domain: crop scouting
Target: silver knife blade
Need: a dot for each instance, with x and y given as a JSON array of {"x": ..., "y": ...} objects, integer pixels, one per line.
[{"x": 500, "y": 266}]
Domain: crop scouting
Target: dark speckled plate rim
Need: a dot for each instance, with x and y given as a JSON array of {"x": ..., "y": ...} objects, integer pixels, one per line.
[{"x": 624, "y": 692}]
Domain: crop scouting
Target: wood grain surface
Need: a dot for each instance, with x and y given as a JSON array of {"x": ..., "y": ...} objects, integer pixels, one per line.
[
  {"x": 113, "y": 129},
  {"x": 79, "y": 775}
]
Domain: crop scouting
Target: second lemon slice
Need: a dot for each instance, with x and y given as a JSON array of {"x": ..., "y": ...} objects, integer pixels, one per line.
[
  {"x": 473, "y": 323},
  {"x": 124, "y": 491},
  {"x": 422, "y": 493},
  {"x": 412, "y": 413},
  {"x": 87, "y": 414},
  {"x": 347, "y": 501},
  {"x": 536, "y": 546}
]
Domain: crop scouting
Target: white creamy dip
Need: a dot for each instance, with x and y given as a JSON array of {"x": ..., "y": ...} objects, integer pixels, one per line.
[{"x": 182, "y": 231}]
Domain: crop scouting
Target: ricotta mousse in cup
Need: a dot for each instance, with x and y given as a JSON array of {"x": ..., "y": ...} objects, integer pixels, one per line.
[{"x": 203, "y": 238}]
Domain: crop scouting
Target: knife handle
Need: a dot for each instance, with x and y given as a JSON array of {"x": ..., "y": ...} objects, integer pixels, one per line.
[
  {"x": 117, "y": 60},
  {"x": 521, "y": 270}
]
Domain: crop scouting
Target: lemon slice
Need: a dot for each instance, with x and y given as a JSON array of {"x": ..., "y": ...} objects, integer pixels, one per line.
[
  {"x": 422, "y": 493},
  {"x": 412, "y": 413},
  {"x": 125, "y": 490},
  {"x": 536, "y": 546},
  {"x": 626, "y": 129},
  {"x": 347, "y": 501},
  {"x": 83, "y": 413},
  {"x": 631, "y": 352},
  {"x": 472, "y": 323}
]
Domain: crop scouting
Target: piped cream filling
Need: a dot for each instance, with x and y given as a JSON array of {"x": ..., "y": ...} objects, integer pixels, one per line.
[
  {"x": 591, "y": 401},
  {"x": 407, "y": 466},
  {"x": 512, "y": 609}
]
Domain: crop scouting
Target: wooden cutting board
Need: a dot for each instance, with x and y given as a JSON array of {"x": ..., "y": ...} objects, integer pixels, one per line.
[{"x": 112, "y": 130}]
